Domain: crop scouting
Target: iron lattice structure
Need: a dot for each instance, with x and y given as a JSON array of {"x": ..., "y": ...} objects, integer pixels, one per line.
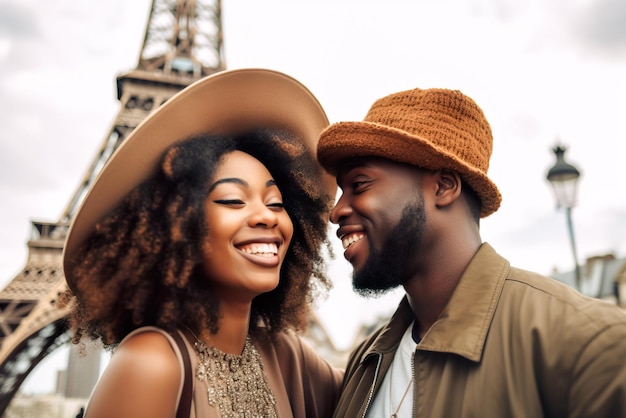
[{"x": 183, "y": 42}]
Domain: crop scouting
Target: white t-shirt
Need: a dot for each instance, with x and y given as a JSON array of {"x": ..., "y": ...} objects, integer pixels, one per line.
[{"x": 390, "y": 395}]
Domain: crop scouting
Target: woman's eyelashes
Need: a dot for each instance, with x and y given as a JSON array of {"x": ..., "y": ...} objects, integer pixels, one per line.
[
  {"x": 229, "y": 202},
  {"x": 238, "y": 202}
]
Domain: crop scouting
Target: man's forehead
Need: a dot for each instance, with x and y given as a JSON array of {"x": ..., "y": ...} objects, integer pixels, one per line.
[
  {"x": 358, "y": 161},
  {"x": 365, "y": 161}
]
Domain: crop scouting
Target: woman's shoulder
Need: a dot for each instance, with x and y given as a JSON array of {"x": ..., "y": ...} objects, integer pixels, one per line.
[
  {"x": 305, "y": 374},
  {"x": 150, "y": 347},
  {"x": 144, "y": 371},
  {"x": 289, "y": 346},
  {"x": 148, "y": 333},
  {"x": 282, "y": 341}
]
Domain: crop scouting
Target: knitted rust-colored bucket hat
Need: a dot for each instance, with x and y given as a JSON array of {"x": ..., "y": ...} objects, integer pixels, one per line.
[
  {"x": 429, "y": 128},
  {"x": 225, "y": 103}
]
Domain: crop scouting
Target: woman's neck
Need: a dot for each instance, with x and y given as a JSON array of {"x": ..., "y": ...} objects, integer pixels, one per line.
[{"x": 234, "y": 324}]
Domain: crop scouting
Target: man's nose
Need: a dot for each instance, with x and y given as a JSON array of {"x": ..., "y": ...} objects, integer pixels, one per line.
[{"x": 340, "y": 210}]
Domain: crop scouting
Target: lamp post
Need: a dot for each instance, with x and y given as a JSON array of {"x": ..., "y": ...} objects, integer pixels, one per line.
[{"x": 564, "y": 179}]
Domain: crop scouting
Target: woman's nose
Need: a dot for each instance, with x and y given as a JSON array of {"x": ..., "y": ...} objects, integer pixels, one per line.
[{"x": 263, "y": 216}]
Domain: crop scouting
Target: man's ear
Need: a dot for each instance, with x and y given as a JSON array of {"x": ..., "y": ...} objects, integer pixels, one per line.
[{"x": 448, "y": 187}]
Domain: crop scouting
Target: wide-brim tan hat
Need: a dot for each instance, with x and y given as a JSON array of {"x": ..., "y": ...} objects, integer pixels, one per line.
[
  {"x": 429, "y": 128},
  {"x": 226, "y": 103}
]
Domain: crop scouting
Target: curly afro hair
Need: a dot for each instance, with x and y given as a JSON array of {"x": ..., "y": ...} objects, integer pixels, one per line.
[{"x": 141, "y": 265}]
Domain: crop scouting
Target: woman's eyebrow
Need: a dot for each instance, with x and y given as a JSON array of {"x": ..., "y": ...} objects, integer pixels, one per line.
[
  {"x": 228, "y": 180},
  {"x": 239, "y": 181}
]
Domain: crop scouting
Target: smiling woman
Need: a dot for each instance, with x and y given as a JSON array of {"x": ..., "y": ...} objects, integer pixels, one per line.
[
  {"x": 251, "y": 229},
  {"x": 202, "y": 238}
]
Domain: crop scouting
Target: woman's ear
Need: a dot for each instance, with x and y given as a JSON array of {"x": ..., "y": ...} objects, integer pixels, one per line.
[{"x": 448, "y": 187}]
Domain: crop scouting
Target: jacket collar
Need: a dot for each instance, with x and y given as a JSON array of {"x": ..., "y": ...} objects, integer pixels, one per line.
[
  {"x": 463, "y": 325},
  {"x": 390, "y": 335}
]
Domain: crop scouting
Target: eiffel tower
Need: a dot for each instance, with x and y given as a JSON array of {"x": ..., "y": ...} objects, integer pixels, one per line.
[{"x": 183, "y": 43}]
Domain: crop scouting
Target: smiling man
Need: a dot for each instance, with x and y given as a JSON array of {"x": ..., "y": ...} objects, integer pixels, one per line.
[{"x": 473, "y": 337}]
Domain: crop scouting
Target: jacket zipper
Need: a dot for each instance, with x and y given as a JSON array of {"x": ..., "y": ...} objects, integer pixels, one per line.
[
  {"x": 371, "y": 392},
  {"x": 415, "y": 382}
]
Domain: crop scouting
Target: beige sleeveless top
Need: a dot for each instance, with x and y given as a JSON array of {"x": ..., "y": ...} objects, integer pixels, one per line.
[{"x": 304, "y": 385}]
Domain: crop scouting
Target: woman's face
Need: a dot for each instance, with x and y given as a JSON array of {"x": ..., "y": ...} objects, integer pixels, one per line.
[{"x": 249, "y": 229}]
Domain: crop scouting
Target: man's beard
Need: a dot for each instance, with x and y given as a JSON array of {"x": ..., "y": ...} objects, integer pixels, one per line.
[{"x": 390, "y": 267}]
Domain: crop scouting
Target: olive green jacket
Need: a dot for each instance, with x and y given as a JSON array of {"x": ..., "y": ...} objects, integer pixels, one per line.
[{"x": 510, "y": 343}]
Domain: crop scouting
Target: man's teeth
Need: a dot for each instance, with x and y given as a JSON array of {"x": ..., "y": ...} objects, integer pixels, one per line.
[
  {"x": 262, "y": 249},
  {"x": 351, "y": 239}
]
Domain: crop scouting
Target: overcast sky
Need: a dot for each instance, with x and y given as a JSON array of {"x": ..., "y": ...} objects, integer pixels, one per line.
[{"x": 542, "y": 70}]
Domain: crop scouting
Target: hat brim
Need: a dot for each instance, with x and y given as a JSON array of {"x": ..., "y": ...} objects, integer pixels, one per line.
[
  {"x": 226, "y": 103},
  {"x": 344, "y": 140}
]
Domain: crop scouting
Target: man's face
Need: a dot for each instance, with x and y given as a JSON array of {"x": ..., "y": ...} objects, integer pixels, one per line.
[{"x": 381, "y": 221}]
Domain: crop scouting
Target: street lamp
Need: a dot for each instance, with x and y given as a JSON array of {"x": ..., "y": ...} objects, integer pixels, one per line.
[{"x": 564, "y": 179}]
